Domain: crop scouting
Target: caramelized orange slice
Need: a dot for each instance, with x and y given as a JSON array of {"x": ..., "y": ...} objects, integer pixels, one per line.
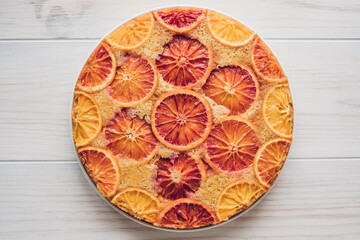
[
  {"x": 270, "y": 159},
  {"x": 102, "y": 168},
  {"x": 134, "y": 83},
  {"x": 130, "y": 138},
  {"x": 265, "y": 63},
  {"x": 180, "y": 19},
  {"x": 181, "y": 119},
  {"x": 132, "y": 34},
  {"x": 234, "y": 87},
  {"x": 185, "y": 62},
  {"x": 231, "y": 145},
  {"x": 99, "y": 69},
  {"x": 278, "y": 110},
  {"x": 185, "y": 213}
]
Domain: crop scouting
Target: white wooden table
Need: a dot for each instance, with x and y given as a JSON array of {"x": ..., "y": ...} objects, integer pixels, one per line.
[{"x": 43, "y": 45}]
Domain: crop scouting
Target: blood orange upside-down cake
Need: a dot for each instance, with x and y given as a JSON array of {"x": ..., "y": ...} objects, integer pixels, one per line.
[{"x": 182, "y": 117}]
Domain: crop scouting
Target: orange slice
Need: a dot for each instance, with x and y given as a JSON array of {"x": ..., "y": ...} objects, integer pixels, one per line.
[
  {"x": 132, "y": 34},
  {"x": 86, "y": 118},
  {"x": 231, "y": 145},
  {"x": 180, "y": 19},
  {"x": 234, "y": 87},
  {"x": 102, "y": 168},
  {"x": 130, "y": 138},
  {"x": 265, "y": 63},
  {"x": 185, "y": 213},
  {"x": 138, "y": 202},
  {"x": 228, "y": 31},
  {"x": 185, "y": 62},
  {"x": 236, "y": 197},
  {"x": 278, "y": 110},
  {"x": 181, "y": 119},
  {"x": 99, "y": 69},
  {"x": 134, "y": 83},
  {"x": 270, "y": 159},
  {"x": 179, "y": 177}
]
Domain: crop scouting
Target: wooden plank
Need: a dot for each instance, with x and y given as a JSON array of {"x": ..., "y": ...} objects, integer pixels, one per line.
[
  {"x": 93, "y": 19},
  {"x": 37, "y": 79},
  {"x": 54, "y": 201}
]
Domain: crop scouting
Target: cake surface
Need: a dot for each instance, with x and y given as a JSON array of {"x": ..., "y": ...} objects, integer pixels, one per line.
[{"x": 182, "y": 117}]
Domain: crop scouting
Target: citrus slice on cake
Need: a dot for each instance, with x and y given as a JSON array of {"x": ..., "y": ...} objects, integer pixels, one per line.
[
  {"x": 102, "y": 168},
  {"x": 138, "y": 202},
  {"x": 236, "y": 197},
  {"x": 130, "y": 137},
  {"x": 180, "y": 19},
  {"x": 269, "y": 160},
  {"x": 132, "y": 34},
  {"x": 228, "y": 31},
  {"x": 181, "y": 119},
  {"x": 235, "y": 87},
  {"x": 278, "y": 110},
  {"x": 86, "y": 118},
  {"x": 265, "y": 63},
  {"x": 185, "y": 213},
  {"x": 134, "y": 83},
  {"x": 185, "y": 62},
  {"x": 231, "y": 145},
  {"x": 179, "y": 177},
  {"x": 99, "y": 69}
]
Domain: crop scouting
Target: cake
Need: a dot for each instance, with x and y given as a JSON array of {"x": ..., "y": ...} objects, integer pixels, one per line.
[{"x": 182, "y": 117}]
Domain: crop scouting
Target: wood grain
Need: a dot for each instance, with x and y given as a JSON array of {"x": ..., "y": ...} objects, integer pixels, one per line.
[
  {"x": 48, "y": 19},
  {"x": 312, "y": 198}
]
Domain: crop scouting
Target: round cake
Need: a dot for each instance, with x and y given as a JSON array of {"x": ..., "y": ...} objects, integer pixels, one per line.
[{"x": 182, "y": 117}]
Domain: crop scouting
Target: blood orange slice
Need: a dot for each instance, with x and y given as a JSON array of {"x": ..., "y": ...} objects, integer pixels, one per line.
[
  {"x": 132, "y": 34},
  {"x": 179, "y": 177},
  {"x": 134, "y": 83},
  {"x": 86, "y": 118},
  {"x": 99, "y": 69},
  {"x": 265, "y": 63},
  {"x": 278, "y": 110},
  {"x": 185, "y": 62},
  {"x": 138, "y": 202},
  {"x": 236, "y": 197},
  {"x": 234, "y": 87},
  {"x": 130, "y": 138},
  {"x": 102, "y": 168},
  {"x": 228, "y": 31},
  {"x": 270, "y": 159},
  {"x": 185, "y": 213},
  {"x": 181, "y": 119},
  {"x": 231, "y": 145},
  {"x": 180, "y": 19}
]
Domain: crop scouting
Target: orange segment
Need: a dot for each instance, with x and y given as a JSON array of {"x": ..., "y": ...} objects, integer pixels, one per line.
[
  {"x": 134, "y": 83},
  {"x": 99, "y": 69},
  {"x": 180, "y": 19},
  {"x": 185, "y": 62},
  {"x": 102, "y": 168},
  {"x": 265, "y": 63},
  {"x": 132, "y": 34},
  {"x": 181, "y": 119},
  {"x": 231, "y": 145},
  {"x": 86, "y": 118},
  {"x": 234, "y": 87},
  {"x": 228, "y": 31},
  {"x": 130, "y": 138},
  {"x": 237, "y": 197},
  {"x": 270, "y": 159},
  {"x": 278, "y": 110},
  {"x": 138, "y": 202},
  {"x": 179, "y": 177},
  {"x": 185, "y": 213}
]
